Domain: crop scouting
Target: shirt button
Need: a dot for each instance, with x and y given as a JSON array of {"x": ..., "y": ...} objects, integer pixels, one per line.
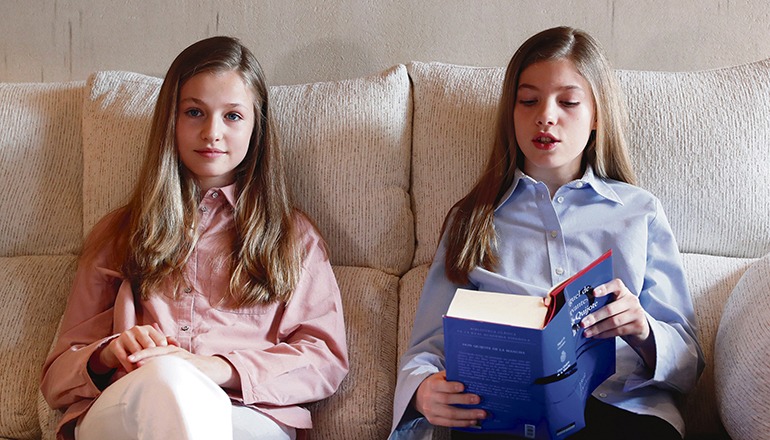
[
  {"x": 215, "y": 195},
  {"x": 187, "y": 290},
  {"x": 554, "y": 234},
  {"x": 579, "y": 185},
  {"x": 185, "y": 328},
  {"x": 204, "y": 209},
  {"x": 602, "y": 395},
  {"x": 560, "y": 199},
  {"x": 559, "y": 271}
]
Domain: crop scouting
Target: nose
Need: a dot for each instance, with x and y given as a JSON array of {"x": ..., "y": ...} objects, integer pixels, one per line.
[
  {"x": 546, "y": 115},
  {"x": 211, "y": 130}
]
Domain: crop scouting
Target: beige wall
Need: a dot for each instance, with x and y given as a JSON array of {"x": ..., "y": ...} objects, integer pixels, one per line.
[{"x": 304, "y": 41}]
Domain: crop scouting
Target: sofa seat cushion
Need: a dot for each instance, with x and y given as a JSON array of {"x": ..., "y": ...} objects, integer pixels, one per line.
[
  {"x": 35, "y": 294},
  {"x": 347, "y": 146},
  {"x": 741, "y": 360},
  {"x": 41, "y": 153},
  {"x": 363, "y": 406}
]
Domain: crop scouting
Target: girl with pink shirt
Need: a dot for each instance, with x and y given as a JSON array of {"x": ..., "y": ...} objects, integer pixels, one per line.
[{"x": 206, "y": 307}]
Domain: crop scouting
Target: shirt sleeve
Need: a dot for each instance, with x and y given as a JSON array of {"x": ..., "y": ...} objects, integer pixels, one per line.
[
  {"x": 668, "y": 305},
  {"x": 425, "y": 355},
  {"x": 86, "y": 324},
  {"x": 309, "y": 359}
]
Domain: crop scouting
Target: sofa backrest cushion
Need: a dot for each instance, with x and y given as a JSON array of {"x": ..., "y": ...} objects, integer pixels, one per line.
[
  {"x": 698, "y": 140},
  {"x": 347, "y": 146},
  {"x": 41, "y": 156},
  {"x": 454, "y": 112}
]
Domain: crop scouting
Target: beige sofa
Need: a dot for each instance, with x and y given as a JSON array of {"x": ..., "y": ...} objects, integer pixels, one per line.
[{"x": 377, "y": 162}]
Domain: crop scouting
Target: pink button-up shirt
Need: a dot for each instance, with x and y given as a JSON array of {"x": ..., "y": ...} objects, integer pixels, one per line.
[{"x": 286, "y": 353}]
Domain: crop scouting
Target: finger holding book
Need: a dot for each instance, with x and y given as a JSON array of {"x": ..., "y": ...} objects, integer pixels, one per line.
[
  {"x": 622, "y": 317},
  {"x": 436, "y": 396}
]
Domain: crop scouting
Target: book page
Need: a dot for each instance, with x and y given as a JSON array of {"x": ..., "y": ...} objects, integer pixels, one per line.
[{"x": 499, "y": 308}]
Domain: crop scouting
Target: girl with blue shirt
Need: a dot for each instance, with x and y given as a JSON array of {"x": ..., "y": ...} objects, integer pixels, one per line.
[{"x": 557, "y": 192}]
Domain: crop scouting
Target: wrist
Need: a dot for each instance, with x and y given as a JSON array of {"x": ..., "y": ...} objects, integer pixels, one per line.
[
  {"x": 226, "y": 374},
  {"x": 96, "y": 364}
]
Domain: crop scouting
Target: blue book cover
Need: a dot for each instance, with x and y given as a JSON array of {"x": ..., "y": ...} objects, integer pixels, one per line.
[{"x": 530, "y": 362}]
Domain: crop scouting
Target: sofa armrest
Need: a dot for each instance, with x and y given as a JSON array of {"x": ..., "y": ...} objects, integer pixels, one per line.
[{"x": 740, "y": 358}]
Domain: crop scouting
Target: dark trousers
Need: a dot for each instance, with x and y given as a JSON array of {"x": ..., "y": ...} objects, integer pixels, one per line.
[{"x": 603, "y": 422}]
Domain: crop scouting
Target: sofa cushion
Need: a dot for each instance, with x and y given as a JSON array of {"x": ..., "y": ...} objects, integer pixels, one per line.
[
  {"x": 741, "y": 360},
  {"x": 347, "y": 147},
  {"x": 41, "y": 155},
  {"x": 35, "y": 291},
  {"x": 409, "y": 291},
  {"x": 698, "y": 141},
  {"x": 454, "y": 112},
  {"x": 710, "y": 279},
  {"x": 362, "y": 408}
]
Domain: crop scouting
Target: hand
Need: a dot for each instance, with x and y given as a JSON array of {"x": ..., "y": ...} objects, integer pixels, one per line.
[
  {"x": 434, "y": 399},
  {"x": 135, "y": 339},
  {"x": 216, "y": 368},
  {"x": 622, "y": 317}
]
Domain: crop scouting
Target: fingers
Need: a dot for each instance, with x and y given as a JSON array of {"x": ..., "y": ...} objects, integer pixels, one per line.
[
  {"x": 132, "y": 341},
  {"x": 141, "y": 357},
  {"x": 622, "y": 317},
  {"x": 436, "y": 396}
]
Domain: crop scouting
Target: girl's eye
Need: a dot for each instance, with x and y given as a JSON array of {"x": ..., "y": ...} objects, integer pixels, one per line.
[
  {"x": 527, "y": 102},
  {"x": 570, "y": 103},
  {"x": 193, "y": 112},
  {"x": 233, "y": 117}
]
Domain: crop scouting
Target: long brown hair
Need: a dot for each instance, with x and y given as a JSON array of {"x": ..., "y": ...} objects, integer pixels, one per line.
[
  {"x": 156, "y": 231},
  {"x": 469, "y": 228}
]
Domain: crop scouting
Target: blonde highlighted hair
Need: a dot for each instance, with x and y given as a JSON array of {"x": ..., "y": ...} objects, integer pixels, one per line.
[
  {"x": 156, "y": 231},
  {"x": 469, "y": 228}
]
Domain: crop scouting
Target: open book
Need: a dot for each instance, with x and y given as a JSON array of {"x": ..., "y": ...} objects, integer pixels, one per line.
[{"x": 530, "y": 362}]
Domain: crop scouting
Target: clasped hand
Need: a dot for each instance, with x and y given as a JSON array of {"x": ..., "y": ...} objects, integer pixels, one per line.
[{"x": 142, "y": 343}]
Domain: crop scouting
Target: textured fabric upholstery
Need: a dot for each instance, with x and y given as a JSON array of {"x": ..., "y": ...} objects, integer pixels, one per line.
[
  {"x": 710, "y": 279},
  {"x": 377, "y": 162},
  {"x": 35, "y": 290},
  {"x": 42, "y": 168},
  {"x": 454, "y": 114},
  {"x": 741, "y": 360},
  {"x": 699, "y": 142},
  {"x": 362, "y": 407},
  {"x": 347, "y": 149}
]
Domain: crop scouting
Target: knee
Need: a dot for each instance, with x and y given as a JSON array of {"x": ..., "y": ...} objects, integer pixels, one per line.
[{"x": 170, "y": 378}]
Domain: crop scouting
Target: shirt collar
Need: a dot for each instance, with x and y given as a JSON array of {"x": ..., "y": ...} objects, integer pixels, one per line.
[
  {"x": 589, "y": 180},
  {"x": 227, "y": 191}
]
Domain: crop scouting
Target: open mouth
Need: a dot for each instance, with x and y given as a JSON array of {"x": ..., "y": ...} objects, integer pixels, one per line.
[{"x": 544, "y": 141}]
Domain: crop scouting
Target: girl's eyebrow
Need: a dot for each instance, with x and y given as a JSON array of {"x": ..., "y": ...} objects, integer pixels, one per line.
[
  {"x": 198, "y": 101},
  {"x": 565, "y": 88}
]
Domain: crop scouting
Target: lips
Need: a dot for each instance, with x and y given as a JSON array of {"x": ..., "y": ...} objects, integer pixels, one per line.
[
  {"x": 210, "y": 153},
  {"x": 545, "y": 141}
]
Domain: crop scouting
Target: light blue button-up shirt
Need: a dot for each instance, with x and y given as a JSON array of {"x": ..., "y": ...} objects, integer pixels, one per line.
[{"x": 542, "y": 241}]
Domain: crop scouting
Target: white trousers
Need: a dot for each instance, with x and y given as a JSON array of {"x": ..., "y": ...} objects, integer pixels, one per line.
[{"x": 169, "y": 399}]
